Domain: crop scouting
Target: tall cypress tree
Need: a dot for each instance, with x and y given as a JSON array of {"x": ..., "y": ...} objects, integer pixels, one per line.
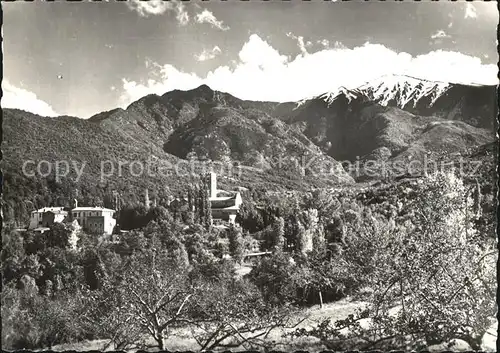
[
  {"x": 205, "y": 204},
  {"x": 236, "y": 245},
  {"x": 278, "y": 241},
  {"x": 190, "y": 198},
  {"x": 192, "y": 218},
  {"x": 200, "y": 203},
  {"x": 207, "y": 211}
]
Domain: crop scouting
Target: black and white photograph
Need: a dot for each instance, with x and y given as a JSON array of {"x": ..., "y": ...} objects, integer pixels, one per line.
[{"x": 229, "y": 175}]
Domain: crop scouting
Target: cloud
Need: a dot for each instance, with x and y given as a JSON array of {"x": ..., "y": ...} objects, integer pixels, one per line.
[
  {"x": 182, "y": 15},
  {"x": 258, "y": 53},
  {"x": 19, "y": 98},
  {"x": 208, "y": 17},
  {"x": 159, "y": 7},
  {"x": 146, "y": 8},
  {"x": 171, "y": 78},
  {"x": 470, "y": 11},
  {"x": 440, "y": 34},
  {"x": 208, "y": 54},
  {"x": 324, "y": 42},
  {"x": 453, "y": 67},
  {"x": 262, "y": 73},
  {"x": 300, "y": 40}
]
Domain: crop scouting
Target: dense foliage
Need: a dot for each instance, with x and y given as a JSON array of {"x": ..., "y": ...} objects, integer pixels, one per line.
[{"x": 432, "y": 273}]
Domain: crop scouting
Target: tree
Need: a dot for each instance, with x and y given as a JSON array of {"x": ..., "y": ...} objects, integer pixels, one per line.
[
  {"x": 320, "y": 275},
  {"x": 278, "y": 234},
  {"x": 177, "y": 253},
  {"x": 201, "y": 205},
  {"x": 159, "y": 213},
  {"x": 234, "y": 315},
  {"x": 55, "y": 319},
  {"x": 250, "y": 244},
  {"x": 30, "y": 320},
  {"x": 192, "y": 215},
  {"x": 304, "y": 239},
  {"x": 18, "y": 331},
  {"x": 335, "y": 230},
  {"x": 195, "y": 243},
  {"x": 62, "y": 267},
  {"x": 236, "y": 244},
  {"x": 323, "y": 201},
  {"x": 130, "y": 242},
  {"x": 12, "y": 255},
  {"x": 59, "y": 236},
  {"x": 133, "y": 216},
  {"x": 274, "y": 277},
  {"x": 249, "y": 217},
  {"x": 207, "y": 267},
  {"x": 207, "y": 209},
  {"x": 318, "y": 239},
  {"x": 108, "y": 318},
  {"x": 149, "y": 294}
]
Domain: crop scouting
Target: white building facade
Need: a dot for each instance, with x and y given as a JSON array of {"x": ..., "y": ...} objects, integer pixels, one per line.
[
  {"x": 96, "y": 220},
  {"x": 40, "y": 218}
]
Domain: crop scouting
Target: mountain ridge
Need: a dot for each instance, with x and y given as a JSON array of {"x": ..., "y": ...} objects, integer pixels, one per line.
[{"x": 271, "y": 142}]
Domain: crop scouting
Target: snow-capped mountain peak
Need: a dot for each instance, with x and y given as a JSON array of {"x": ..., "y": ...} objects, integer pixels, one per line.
[
  {"x": 397, "y": 90},
  {"x": 330, "y": 97},
  {"x": 402, "y": 90}
]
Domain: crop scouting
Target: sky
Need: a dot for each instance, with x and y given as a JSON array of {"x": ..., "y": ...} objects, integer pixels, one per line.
[{"x": 81, "y": 58}]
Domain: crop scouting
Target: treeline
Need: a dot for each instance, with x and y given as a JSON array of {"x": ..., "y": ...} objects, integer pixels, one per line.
[
  {"x": 22, "y": 194},
  {"x": 193, "y": 208}
]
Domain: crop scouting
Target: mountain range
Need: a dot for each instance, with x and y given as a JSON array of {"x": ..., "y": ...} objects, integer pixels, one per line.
[
  {"x": 276, "y": 145},
  {"x": 398, "y": 116}
]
